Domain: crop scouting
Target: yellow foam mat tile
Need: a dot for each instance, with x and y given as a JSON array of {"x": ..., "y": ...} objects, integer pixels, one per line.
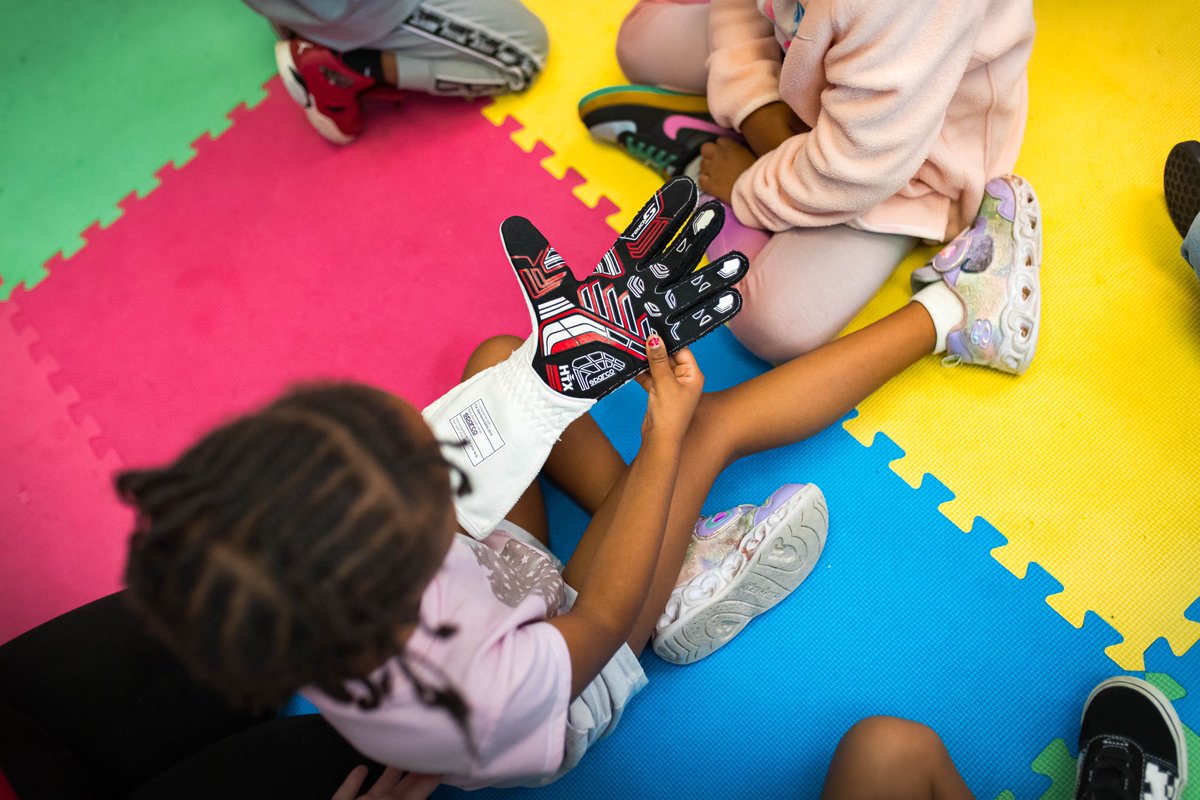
[
  {"x": 582, "y": 58},
  {"x": 1090, "y": 463}
]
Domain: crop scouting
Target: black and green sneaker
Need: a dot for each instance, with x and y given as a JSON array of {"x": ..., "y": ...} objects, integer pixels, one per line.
[
  {"x": 660, "y": 128},
  {"x": 1131, "y": 744}
]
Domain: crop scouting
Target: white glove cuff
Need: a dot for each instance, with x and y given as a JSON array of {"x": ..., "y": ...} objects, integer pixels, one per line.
[{"x": 509, "y": 419}]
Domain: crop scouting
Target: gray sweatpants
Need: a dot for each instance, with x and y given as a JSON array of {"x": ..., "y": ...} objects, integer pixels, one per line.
[{"x": 448, "y": 47}]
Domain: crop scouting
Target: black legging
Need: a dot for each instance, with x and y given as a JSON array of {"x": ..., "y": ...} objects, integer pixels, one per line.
[{"x": 91, "y": 707}]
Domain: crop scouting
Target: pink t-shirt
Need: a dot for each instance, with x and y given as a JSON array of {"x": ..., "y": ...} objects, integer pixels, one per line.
[{"x": 512, "y": 670}]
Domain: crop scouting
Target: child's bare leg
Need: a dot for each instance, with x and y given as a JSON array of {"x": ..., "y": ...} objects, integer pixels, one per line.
[
  {"x": 780, "y": 407},
  {"x": 390, "y": 75},
  {"x": 884, "y": 758},
  {"x": 584, "y": 464}
]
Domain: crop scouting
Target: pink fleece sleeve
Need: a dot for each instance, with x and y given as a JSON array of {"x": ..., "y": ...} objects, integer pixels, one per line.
[
  {"x": 743, "y": 63},
  {"x": 892, "y": 69}
]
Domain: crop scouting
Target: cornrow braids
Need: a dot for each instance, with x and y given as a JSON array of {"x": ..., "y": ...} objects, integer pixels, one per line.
[{"x": 289, "y": 546}]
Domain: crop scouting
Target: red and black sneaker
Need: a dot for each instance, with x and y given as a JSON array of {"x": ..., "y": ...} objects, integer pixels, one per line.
[{"x": 320, "y": 82}]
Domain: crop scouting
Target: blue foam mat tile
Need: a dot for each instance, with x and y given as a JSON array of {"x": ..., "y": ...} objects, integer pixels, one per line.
[
  {"x": 904, "y": 615},
  {"x": 934, "y": 491},
  {"x": 985, "y": 535}
]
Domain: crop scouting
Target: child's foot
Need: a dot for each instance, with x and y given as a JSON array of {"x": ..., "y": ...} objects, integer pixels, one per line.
[
  {"x": 660, "y": 128},
  {"x": 739, "y": 564},
  {"x": 1131, "y": 744},
  {"x": 320, "y": 82},
  {"x": 992, "y": 270}
]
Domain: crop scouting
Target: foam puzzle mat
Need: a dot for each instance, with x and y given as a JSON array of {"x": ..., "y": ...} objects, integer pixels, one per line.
[
  {"x": 996, "y": 545},
  {"x": 1108, "y": 406},
  {"x": 97, "y": 97}
]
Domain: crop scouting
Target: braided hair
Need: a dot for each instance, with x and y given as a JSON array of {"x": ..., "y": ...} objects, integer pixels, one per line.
[{"x": 289, "y": 546}]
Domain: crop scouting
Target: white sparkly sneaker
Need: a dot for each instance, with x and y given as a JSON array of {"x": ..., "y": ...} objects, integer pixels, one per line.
[
  {"x": 993, "y": 268},
  {"x": 740, "y": 563}
]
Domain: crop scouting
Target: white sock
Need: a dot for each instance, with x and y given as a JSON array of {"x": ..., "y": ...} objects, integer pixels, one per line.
[{"x": 944, "y": 307}]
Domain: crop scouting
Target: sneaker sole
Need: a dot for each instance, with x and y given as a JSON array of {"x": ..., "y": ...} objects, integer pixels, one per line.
[
  {"x": 1022, "y": 309},
  {"x": 299, "y": 93},
  {"x": 1153, "y": 693},
  {"x": 793, "y": 542},
  {"x": 648, "y": 96},
  {"x": 1181, "y": 185}
]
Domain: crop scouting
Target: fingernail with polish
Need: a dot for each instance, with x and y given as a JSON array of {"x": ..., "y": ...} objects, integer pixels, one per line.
[{"x": 654, "y": 341}]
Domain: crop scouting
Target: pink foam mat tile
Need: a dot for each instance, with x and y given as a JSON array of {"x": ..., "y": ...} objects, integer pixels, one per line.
[
  {"x": 61, "y": 528},
  {"x": 274, "y": 258}
]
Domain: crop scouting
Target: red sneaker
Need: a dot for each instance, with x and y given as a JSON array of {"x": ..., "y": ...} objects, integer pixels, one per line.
[{"x": 320, "y": 82}]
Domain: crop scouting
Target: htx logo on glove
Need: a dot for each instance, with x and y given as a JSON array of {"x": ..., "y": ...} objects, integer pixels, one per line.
[{"x": 591, "y": 334}]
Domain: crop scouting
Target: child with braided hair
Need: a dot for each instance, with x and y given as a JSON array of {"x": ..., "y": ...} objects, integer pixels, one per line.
[{"x": 391, "y": 565}]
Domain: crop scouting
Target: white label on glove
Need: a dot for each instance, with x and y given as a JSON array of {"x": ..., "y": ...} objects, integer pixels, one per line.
[{"x": 474, "y": 426}]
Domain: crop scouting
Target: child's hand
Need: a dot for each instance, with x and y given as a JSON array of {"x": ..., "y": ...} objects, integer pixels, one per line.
[
  {"x": 589, "y": 334},
  {"x": 721, "y": 163},
  {"x": 393, "y": 784},
  {"x": 674, "y": 384},
  {"x": 770, "y": 126}
]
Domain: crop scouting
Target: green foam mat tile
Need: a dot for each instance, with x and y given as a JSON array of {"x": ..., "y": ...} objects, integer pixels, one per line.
[{"x": 96, "y": 97}]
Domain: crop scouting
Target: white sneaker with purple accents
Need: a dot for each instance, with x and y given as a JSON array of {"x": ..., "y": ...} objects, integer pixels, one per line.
[
  {"x": 740, "y": 563},
  {"x": 993, "y": 268}
]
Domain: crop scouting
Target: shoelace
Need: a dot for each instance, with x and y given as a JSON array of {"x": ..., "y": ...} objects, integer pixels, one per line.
[
  {"x": 655, "y": 156},
  {"x": 1108, "y": 774}
]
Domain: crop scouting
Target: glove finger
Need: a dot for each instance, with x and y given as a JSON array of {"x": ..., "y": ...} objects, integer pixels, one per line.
[
  {"x": 683, "y": 254},
  {"x": 651, "y": 229},
  {"x": 694, "y": 288},
  {"x": 699, "y": 320},
  {"x": 540, "y": 269}
]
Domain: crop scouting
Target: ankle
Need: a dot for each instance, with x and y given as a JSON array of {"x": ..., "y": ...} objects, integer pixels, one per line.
[
  {"x": 945, "y": 310},
  {"x": 366, "y": 62}
]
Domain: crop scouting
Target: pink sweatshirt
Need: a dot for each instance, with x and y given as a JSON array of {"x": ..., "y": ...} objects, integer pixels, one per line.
[{"x": 913, "y": 104}]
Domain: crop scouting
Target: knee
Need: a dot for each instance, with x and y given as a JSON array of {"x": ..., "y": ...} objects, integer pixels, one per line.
[
  {"x": 636, "y": 64},
  {"x": 529, "y": 30},
  {"x": 769, "y": 327},
  {"x": 891, "y": 746},
  {"x": 490, "y": 352},
  {"x": 538, "y": 39},
  {"x": 711, "y": 436}
]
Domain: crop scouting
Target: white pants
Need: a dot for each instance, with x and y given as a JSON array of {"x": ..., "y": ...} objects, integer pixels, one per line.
[{"x": 447, "y": 47}]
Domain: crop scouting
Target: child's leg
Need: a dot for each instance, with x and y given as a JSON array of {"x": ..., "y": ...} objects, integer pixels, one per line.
[
  {"x": 103, "y": 705},
  {"x": 806, "y": 285},
  {"x": 665, "y": 43},
  {"x": 884, "y": 758},
  {"x": 780, "y": 407},
  {"x": 466, "y": 47},
  {"x": 584, "y": 464}
]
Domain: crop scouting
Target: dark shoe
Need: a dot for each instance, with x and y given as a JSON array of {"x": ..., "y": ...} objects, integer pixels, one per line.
[
  {"x": 1181, "y": 185},
  {"x": 320, "y": 82},
  {"x": 660, "y": 128},
  {"x": 1131, "y": 744}
]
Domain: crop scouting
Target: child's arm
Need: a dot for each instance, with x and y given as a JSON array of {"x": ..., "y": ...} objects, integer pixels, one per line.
[
  {"x": 614, "y": 590},
  {"x": 892, "y": 70},
  {"x": 588, "y": 340},
  {"x": 744, "y": 64}
]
